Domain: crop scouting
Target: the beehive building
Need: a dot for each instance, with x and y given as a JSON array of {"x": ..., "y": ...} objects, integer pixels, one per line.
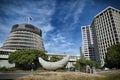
[{"x": 22, "y": 36}]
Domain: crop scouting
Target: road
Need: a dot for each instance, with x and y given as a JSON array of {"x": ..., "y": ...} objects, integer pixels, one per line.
[{"x": 13, "y": 75}]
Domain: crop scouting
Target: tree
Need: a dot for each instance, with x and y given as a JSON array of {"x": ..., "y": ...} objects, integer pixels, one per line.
[
  {"x": 26, "y": 59},
  {"x": 77, "y": 65},
  {"x": 112, "y": 59},
  {"x": 81, "y": 64},
  {"x": 92, "y": 63},
  {"x": 55, "y": 58}
]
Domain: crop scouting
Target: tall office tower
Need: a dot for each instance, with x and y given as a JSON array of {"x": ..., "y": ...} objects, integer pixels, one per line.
[
  {"x": 106, "y": 30},
  {"x": 24, "y": 36},
  {"x": 87, "y": 49}
]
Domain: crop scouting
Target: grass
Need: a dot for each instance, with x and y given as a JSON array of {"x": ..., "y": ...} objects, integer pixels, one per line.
[{"x": 111, "y": 75}]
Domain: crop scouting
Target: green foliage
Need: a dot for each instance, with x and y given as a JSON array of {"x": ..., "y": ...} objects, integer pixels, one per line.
[
  {"x": 91, "y": 63},
  {"x": 77, "y": 65},
  {"x": 3, "y": 69},
  {"x": 25, "y": 58},
  {"x": 112, "y": 59},
  {"x": 81, "y": 64},
  {"x": 55, "y": 58},
  {"x": 11, "y": 69}
]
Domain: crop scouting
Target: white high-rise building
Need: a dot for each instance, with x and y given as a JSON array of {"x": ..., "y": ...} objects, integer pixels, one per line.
[
  {"x": 87, "y": 48},
  {"x": 106, "y": 31}
]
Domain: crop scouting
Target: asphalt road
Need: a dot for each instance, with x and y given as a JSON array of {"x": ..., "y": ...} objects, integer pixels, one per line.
[{"x": 13, "y": 75}]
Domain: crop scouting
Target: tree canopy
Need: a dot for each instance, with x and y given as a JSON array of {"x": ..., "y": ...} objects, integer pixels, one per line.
[
  {"x": 112, "y": 59},
  {"x": 55, "y": 58},
  {"x": 81, "y": 64},
  {"x": 24, "y": 59}
]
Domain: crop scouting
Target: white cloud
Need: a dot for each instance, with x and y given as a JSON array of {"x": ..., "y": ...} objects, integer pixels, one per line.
[
  {"x": 59, "y": 43},
  {"x": 58, "y": 38},
  {"x": 45, "y": 29},
  {"x": 75, "y": 9},
  {"x": 78, "y": 11}
]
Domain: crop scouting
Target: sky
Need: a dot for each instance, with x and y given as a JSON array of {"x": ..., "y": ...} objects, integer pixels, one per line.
[{"x": 59, "y": 20}]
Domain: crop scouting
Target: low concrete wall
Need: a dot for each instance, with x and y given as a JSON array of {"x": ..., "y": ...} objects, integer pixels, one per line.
[{"x": 5, "y": 63}]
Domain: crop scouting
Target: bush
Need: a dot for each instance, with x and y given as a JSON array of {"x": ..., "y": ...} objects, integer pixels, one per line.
[{"x": 3, "y": 69}]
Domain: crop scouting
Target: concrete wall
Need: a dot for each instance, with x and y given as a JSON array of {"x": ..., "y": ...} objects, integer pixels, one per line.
[{"x": 5, "y": 63}]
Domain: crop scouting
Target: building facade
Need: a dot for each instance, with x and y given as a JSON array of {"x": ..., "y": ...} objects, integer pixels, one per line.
[
  {"x": 106, "y": 31},
  {"x": 87, "y": 48},
  {"x": 22, "y": 36}
]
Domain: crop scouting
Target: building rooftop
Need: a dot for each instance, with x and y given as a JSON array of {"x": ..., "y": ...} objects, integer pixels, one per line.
[
  {"x": 109, "y": 7},
  {"x": 28, "y": 27}
]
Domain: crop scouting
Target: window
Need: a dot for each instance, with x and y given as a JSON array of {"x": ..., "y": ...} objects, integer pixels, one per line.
[
  {"x": 112, "y": 21},
  {"x": 116, "y": 35},
  {"x": 113, "y": 24},
  {"x": 115, "y": 32},
  {"x": 112, "y": 18},
  {"x": 110, "y": 12},
  {"x": 117, "y": 39}
]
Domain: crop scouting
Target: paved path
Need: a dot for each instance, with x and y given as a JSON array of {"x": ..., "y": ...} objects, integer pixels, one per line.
[{"x": 13, "y": 75}]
